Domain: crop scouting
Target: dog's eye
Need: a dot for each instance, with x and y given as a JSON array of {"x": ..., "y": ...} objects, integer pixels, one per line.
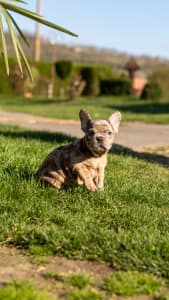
[
  {"x": 91, "y": 132},
  {"x": 109, "y": 132}
]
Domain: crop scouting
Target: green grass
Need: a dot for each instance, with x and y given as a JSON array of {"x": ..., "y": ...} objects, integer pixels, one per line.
[
  {"x": 126, "y": 225},
  {"x": 85, "y": 295},
  {"x": 132, "y": 283},
  {"x": 122, "y": 283},
  {"x": 163, "y": 297},
  {"x": 99, "y": 107},
  {"x": 52, "y": 275},
  {"x": 23, "y": 291},
  {"x": 79, "y": 281}
]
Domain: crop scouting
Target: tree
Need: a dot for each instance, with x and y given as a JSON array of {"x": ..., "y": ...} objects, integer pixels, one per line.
[
  {"x": 132, "y": 67},
  {"x": 6, "y": 7}
]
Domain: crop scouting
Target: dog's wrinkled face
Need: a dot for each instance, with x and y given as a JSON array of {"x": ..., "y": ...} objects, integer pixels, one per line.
[{"x": 99, "y": 135}]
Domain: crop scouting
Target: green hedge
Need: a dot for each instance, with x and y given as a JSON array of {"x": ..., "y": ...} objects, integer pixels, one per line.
[
  {"x": 42, "y": 73},
  {"x": 5, "y": 87},
  {"x": 89, "y": 76},
  {"x": 14, "y": 84},
  {"x": 115, "y": 86},
  {"x": 151, "y": 91},
  {"x": 92, "y": 74},
  {"x": 63, "y": 69},
  {"x": 161, "y": 77},
  {"x": 43, "y": 67}
]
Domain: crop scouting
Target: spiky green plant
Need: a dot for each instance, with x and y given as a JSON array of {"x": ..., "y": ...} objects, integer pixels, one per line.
[{"x": 6, "y": 7}]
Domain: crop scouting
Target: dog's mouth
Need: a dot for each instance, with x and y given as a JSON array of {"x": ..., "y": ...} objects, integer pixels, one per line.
[{"x": 103, "y": 147}]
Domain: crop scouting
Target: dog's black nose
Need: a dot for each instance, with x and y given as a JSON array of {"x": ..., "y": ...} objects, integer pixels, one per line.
[{"x": 99, "y": 138}]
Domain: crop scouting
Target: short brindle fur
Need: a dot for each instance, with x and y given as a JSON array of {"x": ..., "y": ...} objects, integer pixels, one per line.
[{"x": 83, "y": 161}]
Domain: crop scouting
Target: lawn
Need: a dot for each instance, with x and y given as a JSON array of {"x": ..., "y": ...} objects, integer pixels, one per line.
[
  {"x": 126, "y": 225},
  {"x": 99, "y": 107}
]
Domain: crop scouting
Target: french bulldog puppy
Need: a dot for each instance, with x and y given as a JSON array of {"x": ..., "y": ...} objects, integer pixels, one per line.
[{"x": 84, "y": 160}]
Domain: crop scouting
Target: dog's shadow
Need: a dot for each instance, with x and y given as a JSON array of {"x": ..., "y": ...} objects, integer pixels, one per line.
[
  {"x": 37, "y": 135},
  {"x": 150, "y": 157},
  {"x": 26, "y": 174}
]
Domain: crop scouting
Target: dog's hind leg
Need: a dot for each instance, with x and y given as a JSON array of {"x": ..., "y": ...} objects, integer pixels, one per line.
[{"x": 51, "y": 181}]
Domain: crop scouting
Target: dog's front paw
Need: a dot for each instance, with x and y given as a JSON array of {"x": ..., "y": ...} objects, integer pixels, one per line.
[
  {"x": 101, "y": 188},
  {"x": 91, "y": 188}
]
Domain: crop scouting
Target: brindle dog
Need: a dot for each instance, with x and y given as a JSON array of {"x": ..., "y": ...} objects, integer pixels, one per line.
[{"x": 83, "y": 161}]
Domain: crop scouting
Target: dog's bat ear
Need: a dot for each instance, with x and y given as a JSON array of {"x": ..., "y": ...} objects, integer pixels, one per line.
[
  {"x": 114, "y": 120},
  {"x": 86, "y": 120}
]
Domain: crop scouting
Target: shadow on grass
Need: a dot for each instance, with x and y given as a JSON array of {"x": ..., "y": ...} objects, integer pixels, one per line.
[
  {"x": 61, "y": 138},
  {"x": 44, "y": 101},
  {"x": 51, "y": 101},
  {"x": 38, "y": 102},
  {"x": 142, "y": 108},
  {"x": 150, "y": 157},
  {"x": 37, "y": 135}
]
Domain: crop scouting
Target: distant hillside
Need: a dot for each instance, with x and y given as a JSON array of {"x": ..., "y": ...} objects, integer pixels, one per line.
[{"x": 91, "y": 55}]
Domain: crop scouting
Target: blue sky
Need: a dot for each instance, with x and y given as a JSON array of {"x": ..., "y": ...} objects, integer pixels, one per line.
[{"x": 133, "y": 26}]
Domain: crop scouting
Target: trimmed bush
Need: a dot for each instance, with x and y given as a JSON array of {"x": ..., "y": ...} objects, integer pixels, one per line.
[
  {"x": 44, "y": 68},
  {"x": 63, "y": 68},
  {"x": 14, "y": 84},
  {"x": 161, "y": 77},
  {"x": 5, "y": 86},
  {"x": 89, "y": 76},
  {"x": 151, "y": 91},
  {"x": 115, "y": 86},
  {"x": 102, "y": 71}
]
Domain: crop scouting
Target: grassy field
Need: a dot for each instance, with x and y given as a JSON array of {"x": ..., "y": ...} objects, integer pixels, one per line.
[
  {"x": 100, "y": 107},
  {"x": 81, "y": 287},
  {"x": 126, "y": 225}
]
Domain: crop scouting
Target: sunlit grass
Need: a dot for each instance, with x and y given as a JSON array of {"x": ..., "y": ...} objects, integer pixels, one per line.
[
  {"x": 133, "y": 109},
  {"x": 126, "y": 225},
  {"x": 23, "y": 291}
]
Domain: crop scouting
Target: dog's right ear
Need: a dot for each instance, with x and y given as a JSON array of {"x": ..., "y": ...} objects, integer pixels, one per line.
[{"x": 86, "y": 120}]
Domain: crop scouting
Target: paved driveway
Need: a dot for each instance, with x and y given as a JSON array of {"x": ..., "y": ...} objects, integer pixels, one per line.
[{"x": 132, "y": 135}]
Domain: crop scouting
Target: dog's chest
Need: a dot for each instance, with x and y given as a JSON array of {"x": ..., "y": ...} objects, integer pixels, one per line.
[
  {"x": 95, "y": 165},
  {"x": 94, "y": 168}
]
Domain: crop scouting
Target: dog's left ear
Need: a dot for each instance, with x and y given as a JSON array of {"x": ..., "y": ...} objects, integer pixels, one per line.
[
  {"x": 114, "y": 120},
  {"x": 86, "y": 120}
]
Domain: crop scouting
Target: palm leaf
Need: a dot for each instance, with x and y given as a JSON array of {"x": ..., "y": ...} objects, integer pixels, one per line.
[
  {"x": 25, "y": 61},
  {"x": 18, "y": 49},
  {"x": 20, "y": 1},
  {"x": 18, "y": 29},
  {"x": 13, "y": 37},
  {"x": 5, "y": 7},
  {"x": 29, "y": 14},
  {"x": 3, "y": 45}
]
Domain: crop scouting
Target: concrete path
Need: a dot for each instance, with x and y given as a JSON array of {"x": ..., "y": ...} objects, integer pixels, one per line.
[{"x": 132, "y": 135}]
